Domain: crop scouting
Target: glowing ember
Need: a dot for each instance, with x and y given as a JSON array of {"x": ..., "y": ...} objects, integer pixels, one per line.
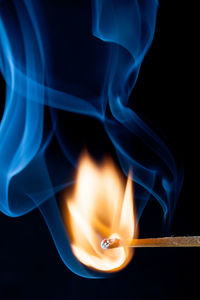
[{"x": 100, "y": 206}]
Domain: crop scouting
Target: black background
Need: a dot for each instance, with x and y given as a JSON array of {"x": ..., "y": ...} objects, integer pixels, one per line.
[{"x": 30, "y": 267}]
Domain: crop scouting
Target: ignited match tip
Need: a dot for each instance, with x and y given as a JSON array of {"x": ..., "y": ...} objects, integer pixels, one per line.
[{"x": 109, "y": 243}]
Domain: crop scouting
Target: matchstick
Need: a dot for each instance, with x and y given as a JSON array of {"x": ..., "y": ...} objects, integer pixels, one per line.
[{"x": 180, "y": 241}]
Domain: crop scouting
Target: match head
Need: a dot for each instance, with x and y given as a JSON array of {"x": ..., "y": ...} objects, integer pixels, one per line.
[{"x": 110, "y": 243}]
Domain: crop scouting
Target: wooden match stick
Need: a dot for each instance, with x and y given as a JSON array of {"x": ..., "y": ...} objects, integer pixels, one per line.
[{"x": 179, "y": 241}]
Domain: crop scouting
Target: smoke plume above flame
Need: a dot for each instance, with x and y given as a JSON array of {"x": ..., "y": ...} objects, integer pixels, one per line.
[{"x": 82, "y": 58}]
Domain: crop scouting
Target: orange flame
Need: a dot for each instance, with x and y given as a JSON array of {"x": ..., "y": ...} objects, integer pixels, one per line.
[{"x": 99, "y": 207}]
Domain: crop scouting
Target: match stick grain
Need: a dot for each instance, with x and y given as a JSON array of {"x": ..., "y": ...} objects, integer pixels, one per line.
[{"x": 182, "y": 241}]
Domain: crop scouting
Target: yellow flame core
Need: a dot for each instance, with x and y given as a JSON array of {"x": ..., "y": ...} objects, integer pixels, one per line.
[{"x": 99, "y": 207}]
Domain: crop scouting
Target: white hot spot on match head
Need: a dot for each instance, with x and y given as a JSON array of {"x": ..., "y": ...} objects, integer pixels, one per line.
[{"x": 106, "y": 243}]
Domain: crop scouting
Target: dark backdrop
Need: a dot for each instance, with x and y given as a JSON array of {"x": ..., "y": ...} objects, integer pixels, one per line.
[{"x": 30, "y": 267}]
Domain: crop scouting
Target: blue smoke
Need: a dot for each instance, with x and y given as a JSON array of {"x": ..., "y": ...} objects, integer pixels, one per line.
[{"x": 92, "y": 71}]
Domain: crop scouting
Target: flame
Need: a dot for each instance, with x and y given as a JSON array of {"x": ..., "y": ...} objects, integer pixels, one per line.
[{"x": 100, "y": 206}]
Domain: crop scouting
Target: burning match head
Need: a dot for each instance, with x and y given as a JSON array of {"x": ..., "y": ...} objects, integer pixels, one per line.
[{"x": 110, "y": 243}]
